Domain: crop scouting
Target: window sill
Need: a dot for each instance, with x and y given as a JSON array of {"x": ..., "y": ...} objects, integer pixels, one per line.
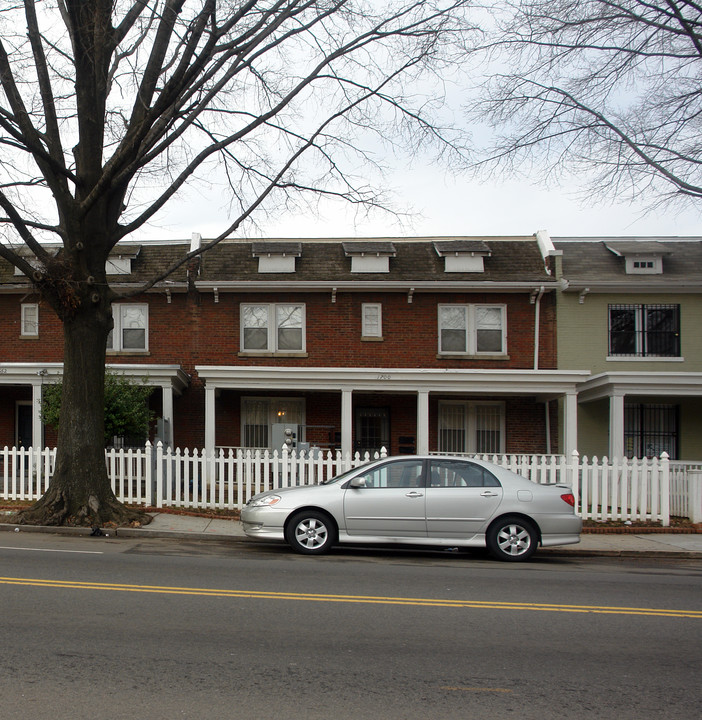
[
  {"x": 29, "y": 337},
  {"x": 120, "y": 353},
  {"x": 466, "y": 356},
  {"x": 637, "y": 359},
  {"x": 371, "y": 338},
  {"x": 245, "y": 354}
]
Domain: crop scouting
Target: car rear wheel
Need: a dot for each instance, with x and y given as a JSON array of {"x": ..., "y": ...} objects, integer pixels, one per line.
[
  {"x": 310, "y": 532},
  {"x": 512, "y": 539}
]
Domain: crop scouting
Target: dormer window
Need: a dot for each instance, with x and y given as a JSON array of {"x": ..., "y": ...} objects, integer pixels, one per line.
[
  {"x": 119, "y": 262},
  {"x": 276, "y": 257},
  {"x": 369, "y": 256},
  {"x": 652, "y": 265},
  {"x": 465, "y": 256},
  {"x": 641, "y": 257}
]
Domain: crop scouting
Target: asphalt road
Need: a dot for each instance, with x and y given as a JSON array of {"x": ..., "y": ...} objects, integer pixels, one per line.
[{"x": 122, "y": 628}]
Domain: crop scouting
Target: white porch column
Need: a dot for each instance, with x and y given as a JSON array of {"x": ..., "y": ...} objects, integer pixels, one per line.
[
  {"x": 37, "y": 425},
  {"x": 616, "y": 426},
  {"x": 570, "y": 424},
  {"x": 167, "y": 394},
  {"x": 210, "y": 418},
  {"x": 422, "y": 422},
  {"x": 346, "y": 422}
]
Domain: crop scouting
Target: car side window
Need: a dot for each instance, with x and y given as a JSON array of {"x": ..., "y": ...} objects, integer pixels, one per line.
[
  {"x": 457, "y": 473},
  {"x": 403, "y": 474}
]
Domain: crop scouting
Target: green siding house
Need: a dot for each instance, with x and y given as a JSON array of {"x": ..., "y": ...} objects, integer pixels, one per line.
[{"x": 630, "y": 311}]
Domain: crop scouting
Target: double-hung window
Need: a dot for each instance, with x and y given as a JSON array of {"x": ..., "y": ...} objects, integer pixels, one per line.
[
  {"x": 467, "y": 427},
  {"x": 472, "y": 329},
  {"x": 372, "y": 320},
  {"x": 644, "y": 330},
  {"x": 130, "y": 331},
  {"x": 273, "y": 328},
  {"x": 30, "y": 320}
]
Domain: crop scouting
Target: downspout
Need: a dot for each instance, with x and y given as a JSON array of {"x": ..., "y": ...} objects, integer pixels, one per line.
[{"x": 537, "y": 316}]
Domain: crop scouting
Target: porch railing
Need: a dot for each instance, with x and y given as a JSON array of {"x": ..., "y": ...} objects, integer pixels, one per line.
[{"x": 605, "y": 489}]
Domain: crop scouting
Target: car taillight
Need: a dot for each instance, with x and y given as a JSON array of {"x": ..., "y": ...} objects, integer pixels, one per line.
[{"x": 569, "y": 498}]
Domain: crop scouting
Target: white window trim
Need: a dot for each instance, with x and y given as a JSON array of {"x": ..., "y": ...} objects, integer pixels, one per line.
[
  {"x": 272, "y": 342},
  {"x": 471, "y": 426},
  {"x": 472, "y": 330},
  {"x": 26, "y": 329},
  {"x": 117, "y": 329},
  {"x": 366, "y": 331}
]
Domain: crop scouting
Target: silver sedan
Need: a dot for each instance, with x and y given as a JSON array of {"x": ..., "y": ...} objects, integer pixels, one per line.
[{"x": 437, "y": 501}]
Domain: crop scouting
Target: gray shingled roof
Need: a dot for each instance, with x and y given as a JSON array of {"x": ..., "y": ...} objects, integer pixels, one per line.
[
  {"x": 512, "y": 260},
  {"x": 588, "y": 260}
]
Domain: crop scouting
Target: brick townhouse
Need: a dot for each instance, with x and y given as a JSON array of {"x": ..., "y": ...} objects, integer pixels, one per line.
[{"x": 415, "y": 345}]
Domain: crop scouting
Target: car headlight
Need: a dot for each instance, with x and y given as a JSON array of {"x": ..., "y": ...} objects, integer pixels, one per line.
[{"x": 265, "y": 501}]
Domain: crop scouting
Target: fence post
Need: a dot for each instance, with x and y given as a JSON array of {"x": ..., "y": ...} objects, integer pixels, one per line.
[
  {"x": 665, "y": 488},
  {"x": 573, "y": 479},
  {"x": 694, "y": 495},
  {"x": 159, "y": 474},
  {"x": 149, "y": 474}
]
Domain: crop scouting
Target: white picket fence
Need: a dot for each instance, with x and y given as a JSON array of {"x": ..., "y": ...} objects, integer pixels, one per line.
[{"x": 620, "y": 489}]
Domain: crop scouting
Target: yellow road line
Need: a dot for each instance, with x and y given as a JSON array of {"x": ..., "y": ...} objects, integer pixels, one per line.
[{"x": 367, "y": 599}]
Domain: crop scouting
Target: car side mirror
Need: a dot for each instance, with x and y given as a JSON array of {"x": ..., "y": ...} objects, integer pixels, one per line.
[{"x": 358, "y": 482}]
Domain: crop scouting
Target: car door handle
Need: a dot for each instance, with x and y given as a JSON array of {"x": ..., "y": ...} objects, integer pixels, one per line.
[
  {"x": 414, "y": 494},
  {"x": 488, "y": 493}
]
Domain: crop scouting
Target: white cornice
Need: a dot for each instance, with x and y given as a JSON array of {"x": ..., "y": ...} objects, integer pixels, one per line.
[
  {"x": 666, "y": 384},
  {"x": 375, "y": 285},
  {"x": 550, "y": 383},
  {"x": 36, "y": 373}
]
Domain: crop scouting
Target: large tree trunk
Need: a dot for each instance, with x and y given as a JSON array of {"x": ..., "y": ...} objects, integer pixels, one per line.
[{"x": 79, "y": 492}]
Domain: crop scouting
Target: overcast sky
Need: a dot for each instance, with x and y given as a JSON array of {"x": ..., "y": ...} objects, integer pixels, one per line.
[{"x": 445, "y": 206}]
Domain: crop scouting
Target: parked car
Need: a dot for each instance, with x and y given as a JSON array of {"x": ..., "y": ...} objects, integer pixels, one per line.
[{"x": 437, "y": 501}]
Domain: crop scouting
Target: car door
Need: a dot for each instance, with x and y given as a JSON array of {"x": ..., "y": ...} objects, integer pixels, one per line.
[
  {"x": 387, "y": 501},
  {"x": 461, "y": 497}
]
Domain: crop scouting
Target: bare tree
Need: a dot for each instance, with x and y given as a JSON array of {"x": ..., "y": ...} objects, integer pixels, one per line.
[
  {"x": 608, "y": 90},
  {"x": 108, "y": 108}
]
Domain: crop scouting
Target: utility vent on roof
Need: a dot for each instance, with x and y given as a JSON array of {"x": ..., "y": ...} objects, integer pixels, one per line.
[
  {"x": 276, "y": 257},
  {"x": 119, "y": 262},
  {"x": 641, "y": 257},
  {"x": 369, "y": 256},
  {"x": 462, "y": 255}
]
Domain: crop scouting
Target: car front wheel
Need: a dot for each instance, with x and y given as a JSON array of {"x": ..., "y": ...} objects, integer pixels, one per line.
[
  {"x": 512, "y": 539},
  {"x": 310, "y": 533}
]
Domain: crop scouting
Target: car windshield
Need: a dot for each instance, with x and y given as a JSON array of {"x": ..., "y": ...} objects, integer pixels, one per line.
[{"x": 343, "y": 476}]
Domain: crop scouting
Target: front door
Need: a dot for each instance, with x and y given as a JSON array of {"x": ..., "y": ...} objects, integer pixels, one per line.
[
  {"x": 24, "y": 425},
  {"x": 372, "y": 430},
  {"x": 390, "y": 503}
]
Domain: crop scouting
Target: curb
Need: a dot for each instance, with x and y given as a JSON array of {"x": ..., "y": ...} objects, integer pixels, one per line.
[{"x": 571, "y": 551}]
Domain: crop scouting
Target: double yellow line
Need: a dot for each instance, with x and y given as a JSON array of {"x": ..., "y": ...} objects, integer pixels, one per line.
[{"x": 364, "y": 599}]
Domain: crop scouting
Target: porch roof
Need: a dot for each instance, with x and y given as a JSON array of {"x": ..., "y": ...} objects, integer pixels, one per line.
[{"x": 548, "y": 383}]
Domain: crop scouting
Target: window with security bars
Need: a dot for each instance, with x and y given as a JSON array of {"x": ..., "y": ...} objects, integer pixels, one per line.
[
  {"x": 650, "y": 429},
  {"x": 644, "y": 330},
  {"x": 471, "y": 427}
]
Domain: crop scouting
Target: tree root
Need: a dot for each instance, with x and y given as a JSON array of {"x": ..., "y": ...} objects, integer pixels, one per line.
[{"x": 55, "y": 509}]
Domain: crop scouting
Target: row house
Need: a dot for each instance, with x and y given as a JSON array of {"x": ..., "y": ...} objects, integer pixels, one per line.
[
  {"x": 414, "y": 345},
  {"x": 630, "y": 311}
]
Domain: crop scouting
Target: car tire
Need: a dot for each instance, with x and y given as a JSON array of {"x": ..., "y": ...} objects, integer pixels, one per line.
[
  {"x": 513, "y": 539},
  {"x": 310, "y": 532}
]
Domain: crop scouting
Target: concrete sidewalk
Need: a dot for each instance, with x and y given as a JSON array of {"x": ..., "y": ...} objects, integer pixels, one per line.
[{"x": 164, "y": 525}]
